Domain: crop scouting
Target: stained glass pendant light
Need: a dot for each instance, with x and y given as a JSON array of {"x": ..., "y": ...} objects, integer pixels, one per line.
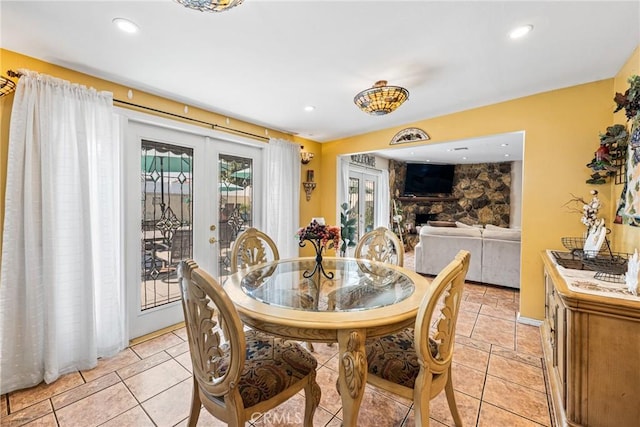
[
  {"x": 210, "y": 5},
  {"x": 381, "y": 99}
]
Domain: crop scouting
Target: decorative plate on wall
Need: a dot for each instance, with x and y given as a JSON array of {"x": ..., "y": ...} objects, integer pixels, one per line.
[{"x": 409, "y": 135}]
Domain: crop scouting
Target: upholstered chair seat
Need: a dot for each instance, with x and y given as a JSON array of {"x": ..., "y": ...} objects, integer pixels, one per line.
[
  {"x": 393, "y": 358},
  {"x": 416, "y": 362},
  {"x": 272, "y": 365}
]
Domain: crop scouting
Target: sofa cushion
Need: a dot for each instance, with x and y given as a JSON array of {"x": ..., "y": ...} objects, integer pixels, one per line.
[
  {"x": 441, "y": 223},
  {"x": 501, "y": 234},
  {"x": 451, "y": 231}
]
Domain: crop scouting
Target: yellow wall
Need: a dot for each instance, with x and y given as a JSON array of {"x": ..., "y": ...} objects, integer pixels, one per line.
[
  {"x": 561, "y": 133},
  {"x": 625, "y": 238},
  {"x": 14, "y": 61}
]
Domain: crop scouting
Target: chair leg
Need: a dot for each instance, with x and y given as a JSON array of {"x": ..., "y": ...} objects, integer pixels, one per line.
[
  {"x": 312, "y": 395},
  {"x": 451, "y": 399},
  {"x": 196, "y": 404},
  {"x": 421, "y": 399},
  {"x": 309, "y": 346}
]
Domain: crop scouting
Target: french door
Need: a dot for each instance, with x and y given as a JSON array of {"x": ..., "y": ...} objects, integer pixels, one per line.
[
  {"x": 362, "y": 196},
  {"x": 188, "y": 195}
]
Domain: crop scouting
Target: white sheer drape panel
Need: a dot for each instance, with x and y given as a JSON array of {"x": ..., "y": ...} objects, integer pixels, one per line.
[
  {"x": 282, "y": 201},
  {"x": 61, "y": 302},
  {"x": 383, "y": 200}
]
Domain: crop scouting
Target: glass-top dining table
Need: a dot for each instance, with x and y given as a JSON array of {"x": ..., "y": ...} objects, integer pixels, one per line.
[{"x": 356, "y": 299}]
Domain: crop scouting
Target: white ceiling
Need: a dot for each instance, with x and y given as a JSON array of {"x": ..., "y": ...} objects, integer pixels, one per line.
[{"x": 263, "y": 61}]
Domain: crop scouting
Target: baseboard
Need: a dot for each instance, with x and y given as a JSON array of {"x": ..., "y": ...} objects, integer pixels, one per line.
[{"x": 529, "y": 321}]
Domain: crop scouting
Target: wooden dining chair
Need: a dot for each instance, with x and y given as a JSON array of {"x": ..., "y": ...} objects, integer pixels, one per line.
[
  {"x": 238, "y": 375},
  {"x": 252, "y": 247},
  {"x": 416, "y": 362},
  {"x": 381, "y": 245}
]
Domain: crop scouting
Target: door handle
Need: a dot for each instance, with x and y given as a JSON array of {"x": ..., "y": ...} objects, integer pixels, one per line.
[
  {"x": 212, "y": 227},
  {"x": 212, "y": 240}
]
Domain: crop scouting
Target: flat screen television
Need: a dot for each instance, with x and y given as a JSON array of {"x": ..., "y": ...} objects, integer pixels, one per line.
[{"x": 425, "y": 179}]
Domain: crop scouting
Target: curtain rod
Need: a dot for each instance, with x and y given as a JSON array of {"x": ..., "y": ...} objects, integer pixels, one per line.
[{"x": 213, "y": 126}]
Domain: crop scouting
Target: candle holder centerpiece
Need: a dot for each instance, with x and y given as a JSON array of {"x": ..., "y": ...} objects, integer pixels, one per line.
[{"x": 321, "y": 237}]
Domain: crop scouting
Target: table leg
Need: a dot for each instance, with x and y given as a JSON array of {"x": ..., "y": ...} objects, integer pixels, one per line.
[{"x": 353, "y": 373}]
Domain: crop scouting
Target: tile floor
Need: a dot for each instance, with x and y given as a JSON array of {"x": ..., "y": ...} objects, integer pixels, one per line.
[{"x": 498, "y": 379}]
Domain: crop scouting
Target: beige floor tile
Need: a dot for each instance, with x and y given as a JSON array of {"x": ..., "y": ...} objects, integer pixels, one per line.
[
  {"x": 185, "y": 360},
  {"x": 494, "y": 331},
  {"x": 503, "y": 294},
  {"x": 492, "y": 416},
  {"x": 27, "y": 397},
  {"x": 156, "y": 380},
  {"x": 330, "y": 399},
  {"x": 377, "y": 410},
  {"x": 467, "y": 406},
  {"x": 470, "y": 342},
  {"x": 80, "y": 392},
  {"x": 182, "y": 333},
  {"x": 134, "y": 417},
  {"x": 528, "y": 340},
  {"x": 28, "y": 414},
  {"x": 499, "y": 312},
  {"x": 410, "y": 421},
  {"x": 466, "y": 322},
  {"x": 48, "y": 420},
  {"x": 511, "y": 305},
  {"x": 111, "y": 364},
  {"x": 517, "y": 399},
  {"x": 471, "y": 357},
  {"x": 156, "y": 345},
  {"x": 179, "y": 349},
  {"x": 474, "y": 289},
  {"x": 483, "y": 299},
  {"x": 171, "y": 405},
  {"x": 495, "y": 358},
  {"x": 470, "y": 306},
  {"x": 323, "y": 352},
  {"x": 290, "y": 413},
  {"x": 389, "y": 395},
  {"x": 143, "y": 365},
  {"x": 467, "y": 380},
  {"x": 517, "y": 372},
  {"x": 513, "y": 354},
  {"x": 97, "y": 408}
]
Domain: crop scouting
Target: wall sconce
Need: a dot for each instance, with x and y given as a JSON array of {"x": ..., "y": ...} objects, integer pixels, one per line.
[
  {"x": 308, "y": 188},
  {"x": 306, "y": 157}
]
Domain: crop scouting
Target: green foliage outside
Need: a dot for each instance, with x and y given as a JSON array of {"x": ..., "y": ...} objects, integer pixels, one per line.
[{"x": 348, "y": 229}]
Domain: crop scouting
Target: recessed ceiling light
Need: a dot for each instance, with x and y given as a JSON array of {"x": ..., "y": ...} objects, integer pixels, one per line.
[
  {"x": 506, "y": 155},
  {"x": 309, "y": 108},
  {"x": 520, "y": 31},
  {"x": 464, "y": 158},
  {"x": 126, "y": 25},
  {"x": 504, "y": 145}
]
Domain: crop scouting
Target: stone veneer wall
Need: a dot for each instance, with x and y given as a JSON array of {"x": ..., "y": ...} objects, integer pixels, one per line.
[{"x": 483, "y": 191}]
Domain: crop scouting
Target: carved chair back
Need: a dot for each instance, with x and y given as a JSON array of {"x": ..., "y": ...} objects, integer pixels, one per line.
[{"x": 252, "y": 247}]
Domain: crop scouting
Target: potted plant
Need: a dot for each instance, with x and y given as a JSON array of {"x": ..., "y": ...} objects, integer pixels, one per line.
[{"x": 348, "y": 229}]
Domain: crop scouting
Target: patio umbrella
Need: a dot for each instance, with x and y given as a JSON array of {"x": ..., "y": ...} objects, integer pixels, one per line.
[
  {"x": 242, "y": 174},
  {"x": 227, "y": 186}
]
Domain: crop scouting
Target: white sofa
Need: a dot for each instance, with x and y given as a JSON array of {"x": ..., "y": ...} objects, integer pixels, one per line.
[{"x": 495, "y": 252}]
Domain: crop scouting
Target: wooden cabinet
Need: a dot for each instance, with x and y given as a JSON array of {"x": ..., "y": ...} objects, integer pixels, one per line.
[{"x": 591, "y": 347}]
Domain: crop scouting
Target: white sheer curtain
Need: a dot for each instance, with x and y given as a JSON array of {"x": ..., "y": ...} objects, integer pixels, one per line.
[
  {"x": 282, "y": 200},
  {"x": 61, "y": 302},
  {"x": 383, "y": 200}
]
